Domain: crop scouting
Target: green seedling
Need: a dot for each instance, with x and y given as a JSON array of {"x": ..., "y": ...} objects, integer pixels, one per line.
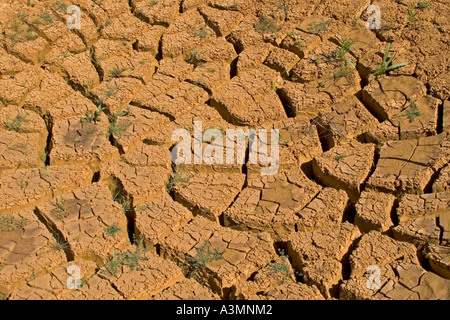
[
  {"x": 128, "y": 258},
  {"x": 319, "y": 27},
  {"x": 178, "y": 176},
  {"x": 298, "y": 43},
  {"x": 16, "y": 123},
  {"x": 423, "y": 4},
  {"x": 116, "y": 72},
  {"x": 10, "y": 223},
  {"x": 386, "y": 65},
  {"x": 92, "y": 116},
  {"x": 61, "y": 208},
  {"x": 339, "y": 157},
  {"x": 112, "y": 230},
  {"x": 47, "y": 17},
  {"x": 198, "y": 263},
  {"x": 411, "y": 13},
  {"x": 266, "y": 24},
  {"x": 58, "y": 244},
  {"x": 344, "y": 48}
]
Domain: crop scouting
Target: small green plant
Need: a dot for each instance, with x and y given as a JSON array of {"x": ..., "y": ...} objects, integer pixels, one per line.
[
  {"x": 92, "y": 116},
  {"x": 128, "y": 258},
  {"x": 10, "y": 223},
  {"x": 111, "y": 91},
  {"x": 204, "y": 255},
  {"x": 84, "y": 281},
  {"x": 267, "y": 24},
  {"x": 59, "y": 244},
  {"x": 423, "y": 4},
  {"x": 298, "y": 43},
  {"x": 412, "y": 112},
  {"x": 344, "y": 48},
  {"x": 194, "y": 57},
  {"x": 88, "y": 86},
  {"x": 178, "y": 175},
  {"x": 123, "y": 201},
  {"x": 152, "y": 3},
  {"x": 386, "y": 65},
  {"x": 112, "y": 230},
  {"x": 339, "y": 157},
  {"x": 318, "y": 27},
  {"x": 212, "y": 70},
  {"x": 61, "y": 208},
  {"x": 16, "y": 123},
  {"x": 200, "y": 33},
  {"x": 60, "y": 6},
  {"x": 47, "y": 17},
  {"x": 411, "y": 13},
  {"x": 117, "y": 72},
  {"x": 32, "y": 277}
]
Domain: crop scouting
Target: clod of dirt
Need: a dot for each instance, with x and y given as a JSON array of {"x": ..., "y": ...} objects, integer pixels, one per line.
[
  {"x": 139, "y": 274},
  {"x": 90, "y": 222},
  {"x": 345, "y": 167},
  {"x": 53, "y": 284},
  {"x": 81, "y": 140},
  {"x": 291, "y": 291},
  {"x": 270, "y": 203},
  {"x": 24, "y": 187},
  {"x": 27, "y": 249},
  {"x": 188, "y": 289},
  {"x": 318, "y": 255},
  {"x": 442, "y": 183},
  {"x": 208, "y": 194},
  {"x": 422, "y": 218},
  {"x": 218, "y": 256},
  {"x": 408, "y": 165},
  {"x": 347, "y": 120},
  {"x": 439, "y": 258},
  {"x": 373, "y": 211},
  {"x": 24, "y": 137},
  {"x": 391, "y": 95},
  {"x": 250, "y": 98},
  {"x": 158, "y": 218}
]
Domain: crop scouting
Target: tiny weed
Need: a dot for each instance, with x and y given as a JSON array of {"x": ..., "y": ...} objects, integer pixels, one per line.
[
  {"x": 58, "y": 244},
  {"x": 266, "y": 24},
  {"x": 16, "y": 123},
  {"x": 60, "y": 6},
  {"x": 344, "y": 48},
  {"x": 84, "y": 281},
  {"x": 298, "y": 43},
  {"x": 111, "y": 230},
  {"x": 92, "y": 116},
  {"x": 61, "y": 208},
  {"x": 204, "y": 255},
  {"x": 128, "y": 258},
  {"x": 152, "y": 3},
  {"x": 411, "y": 13},
  {"x": 47, "y": 17},
  {"x": 200, "y": 33},
  {"x": 386, "y": 65},
  {"x": 111, "y": 91},
  {"x": 339, "y": 157},
  {"x": 117, "y": 72},
  {"x": 10, "y": 223},
  {"x": 32, "y": 277},
  {"x": 319, "y": 27},
  {"x": 178, "y": 176},
  {"x": 412, "y": 112},
  {"x": 423, "y": 4}
]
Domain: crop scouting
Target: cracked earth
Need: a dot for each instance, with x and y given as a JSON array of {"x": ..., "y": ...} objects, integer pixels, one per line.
[{"x": 86, "y": 176}]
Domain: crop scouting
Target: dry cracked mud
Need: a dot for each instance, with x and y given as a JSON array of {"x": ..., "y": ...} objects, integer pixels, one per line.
[{"x": 93, "y": 207}]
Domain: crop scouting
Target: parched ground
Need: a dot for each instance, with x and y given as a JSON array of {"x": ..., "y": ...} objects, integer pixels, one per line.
[{"x": 86, "y": 178}]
